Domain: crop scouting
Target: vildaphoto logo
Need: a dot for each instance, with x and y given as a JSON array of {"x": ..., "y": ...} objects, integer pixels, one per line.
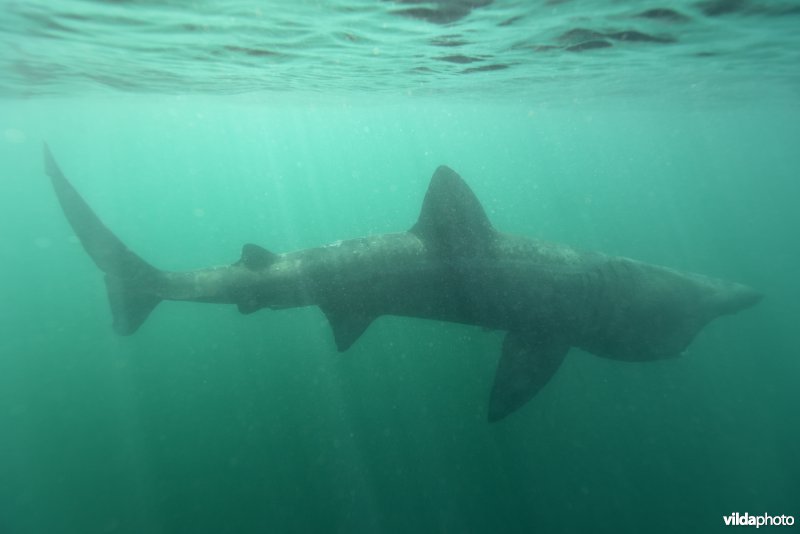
[{"x": 746, "y": 520}]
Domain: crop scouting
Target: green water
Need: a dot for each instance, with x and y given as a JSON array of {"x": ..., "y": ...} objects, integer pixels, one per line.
[{"x": 208, "y": 421}]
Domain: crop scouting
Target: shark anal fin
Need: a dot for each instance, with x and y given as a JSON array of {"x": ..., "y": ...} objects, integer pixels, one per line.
[
  {"x": 256, "y": 258},
  {"x": 249, "y": 306},
  {"x": 452, "y": 221},
  {"x": 527, "y": 363},
  {"x": 347, "y": 325}
]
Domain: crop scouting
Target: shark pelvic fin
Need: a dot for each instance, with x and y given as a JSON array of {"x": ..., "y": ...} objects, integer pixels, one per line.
[
  {"x": 452, "y": 220},
  {"x": 526, "y": 365},
  {"x": 347, "y": 325},
  {"x": 131, "y": 282}
]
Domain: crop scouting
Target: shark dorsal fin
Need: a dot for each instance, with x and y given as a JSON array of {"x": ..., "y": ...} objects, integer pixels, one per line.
[
  {"x": 256, "y": 258},
  {"x": 452, "y": 220}
]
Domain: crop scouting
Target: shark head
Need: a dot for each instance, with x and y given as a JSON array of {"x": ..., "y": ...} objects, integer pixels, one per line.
[{"x": 730, "y": 297}]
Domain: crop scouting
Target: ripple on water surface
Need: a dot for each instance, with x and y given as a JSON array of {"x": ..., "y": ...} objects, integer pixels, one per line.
[{"x": 396, "y": 47}]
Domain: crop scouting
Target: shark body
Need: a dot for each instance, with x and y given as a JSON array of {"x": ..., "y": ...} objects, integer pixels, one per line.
[{"x": 452, "y": 265}]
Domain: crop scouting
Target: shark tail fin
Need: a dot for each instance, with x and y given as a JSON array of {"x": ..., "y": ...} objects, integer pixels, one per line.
[
  {"x": 129, "y": 306},
  {"x": 132, "y": 283}
]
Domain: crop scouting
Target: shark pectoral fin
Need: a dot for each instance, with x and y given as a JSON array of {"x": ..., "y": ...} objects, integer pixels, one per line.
[
  {"x": 255, "y": 257},
  {"x": 526, "y": 365},
  {"x": 347, "y": 325}
]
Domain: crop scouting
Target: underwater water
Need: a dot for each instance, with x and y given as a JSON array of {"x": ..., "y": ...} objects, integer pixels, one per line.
[{"x": 666, "y": 132}]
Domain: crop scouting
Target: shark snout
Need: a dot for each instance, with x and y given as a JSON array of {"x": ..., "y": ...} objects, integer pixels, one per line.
[{"x": 737, "y": 297}]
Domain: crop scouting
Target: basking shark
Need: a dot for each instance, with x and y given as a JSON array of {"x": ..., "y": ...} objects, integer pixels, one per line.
[{"x": 452, "y": 265}]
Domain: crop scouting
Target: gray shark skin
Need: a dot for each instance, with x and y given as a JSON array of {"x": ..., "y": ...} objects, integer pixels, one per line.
[{"x": 452, "y": 265}]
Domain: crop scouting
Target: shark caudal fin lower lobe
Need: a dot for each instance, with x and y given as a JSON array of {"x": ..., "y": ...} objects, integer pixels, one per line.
[
  {"x": 129, "y": 306},
  {"x": 131, "y": 282}
]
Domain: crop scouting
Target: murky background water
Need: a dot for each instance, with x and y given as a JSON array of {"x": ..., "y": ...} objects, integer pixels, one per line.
[{"x": 664, "y": 131}]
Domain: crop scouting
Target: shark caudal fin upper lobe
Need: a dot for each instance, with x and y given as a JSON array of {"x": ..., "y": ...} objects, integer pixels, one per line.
[{"x": 131, "y": 282}]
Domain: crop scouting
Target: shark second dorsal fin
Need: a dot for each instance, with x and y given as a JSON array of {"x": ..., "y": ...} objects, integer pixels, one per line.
[
  {"x": 452, "y": 220},
  {"x": 255, "y": 257}
]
